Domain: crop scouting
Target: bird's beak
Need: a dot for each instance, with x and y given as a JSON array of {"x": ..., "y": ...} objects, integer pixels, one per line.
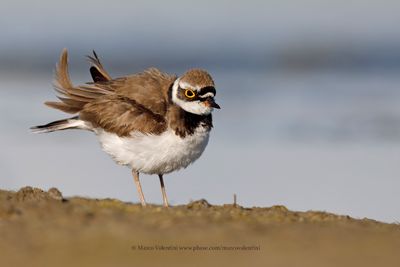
[{"x": 210, "y": 102}]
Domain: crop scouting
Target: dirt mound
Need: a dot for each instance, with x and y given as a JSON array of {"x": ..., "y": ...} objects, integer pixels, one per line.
[{"x": 39, "y": 228}]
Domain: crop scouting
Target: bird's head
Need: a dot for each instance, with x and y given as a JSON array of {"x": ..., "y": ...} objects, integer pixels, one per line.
[{"x": 194, "y": 92}]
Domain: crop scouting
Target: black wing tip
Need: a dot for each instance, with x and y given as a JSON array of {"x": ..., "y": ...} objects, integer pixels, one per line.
[
  {"x": 40, "y": 126},
  {"x": 39, "y": 129},
  {"x": 95, "y": 54},
  {"x": 93, "y": 57},
  {"x": 97, "y": 76}
]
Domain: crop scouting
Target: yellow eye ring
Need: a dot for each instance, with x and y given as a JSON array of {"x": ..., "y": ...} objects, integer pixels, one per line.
[{"x": 190, "y": 93}]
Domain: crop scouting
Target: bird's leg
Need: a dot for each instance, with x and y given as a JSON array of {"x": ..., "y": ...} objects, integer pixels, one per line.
[
  {"x": 164, "y": 194},
  {"x": 138, "y": 187}
]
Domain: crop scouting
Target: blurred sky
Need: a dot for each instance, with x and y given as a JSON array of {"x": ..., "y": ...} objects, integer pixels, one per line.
[{"x": 309, "y": 93}]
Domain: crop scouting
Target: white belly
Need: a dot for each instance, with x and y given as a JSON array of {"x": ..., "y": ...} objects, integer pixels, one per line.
[{"x": 154, "y": 154}]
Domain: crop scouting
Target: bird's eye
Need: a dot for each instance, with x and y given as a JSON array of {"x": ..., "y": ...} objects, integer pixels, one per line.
[{"x": 189, "y": 93}]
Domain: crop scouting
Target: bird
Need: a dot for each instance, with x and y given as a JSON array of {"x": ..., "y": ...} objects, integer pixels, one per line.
[{"x": 151, "y": 121}]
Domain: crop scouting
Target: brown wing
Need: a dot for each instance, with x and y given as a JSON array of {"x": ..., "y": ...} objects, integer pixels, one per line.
[
  {"x": 122, "y": 115},
  {"x": 149, "y": 88},
  {"x": 73, "y": 98},
  {"x": 136, "y": 102}
]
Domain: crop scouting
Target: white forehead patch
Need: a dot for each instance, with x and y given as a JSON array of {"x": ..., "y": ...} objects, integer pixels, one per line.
[
  {"x": 209, "y": 94},
  {"x": 186, "y": 85}
]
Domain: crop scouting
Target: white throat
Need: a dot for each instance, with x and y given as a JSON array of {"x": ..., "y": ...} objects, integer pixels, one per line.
[{"x": 195, "y": 107}]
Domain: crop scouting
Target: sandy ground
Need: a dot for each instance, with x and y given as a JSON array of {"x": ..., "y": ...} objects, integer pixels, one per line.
[{"x": 39, "y": 228}]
